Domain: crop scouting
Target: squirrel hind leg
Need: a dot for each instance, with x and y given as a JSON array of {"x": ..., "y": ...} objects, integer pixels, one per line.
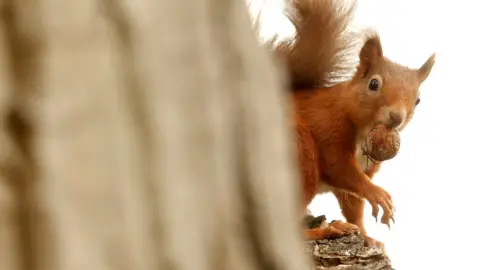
[
  {"x": 308, "y": 163},
  {"x": 371, "y": 242},
  {"x": 353, "y": 211},
  {"x": 335, "y": 229}
]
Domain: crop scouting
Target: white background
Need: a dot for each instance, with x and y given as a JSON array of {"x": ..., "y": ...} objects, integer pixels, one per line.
[{"x": 434, "y": 180}]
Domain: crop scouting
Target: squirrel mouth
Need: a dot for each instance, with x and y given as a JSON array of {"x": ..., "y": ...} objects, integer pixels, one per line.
[{"x": 390, "y": 125}]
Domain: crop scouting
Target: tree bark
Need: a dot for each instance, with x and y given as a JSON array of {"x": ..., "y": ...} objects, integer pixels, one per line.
[
  {"x": 347, "y": 253},
  {"x": 142, "y": 135}
]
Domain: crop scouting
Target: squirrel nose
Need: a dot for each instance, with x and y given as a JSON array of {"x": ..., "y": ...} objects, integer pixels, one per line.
[{"x": 395, "y": 119}]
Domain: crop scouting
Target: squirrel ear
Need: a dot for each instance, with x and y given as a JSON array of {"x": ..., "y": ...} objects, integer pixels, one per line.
[
  {"x": 425, "y": 69},
  {"x": 370, "y": 53}
]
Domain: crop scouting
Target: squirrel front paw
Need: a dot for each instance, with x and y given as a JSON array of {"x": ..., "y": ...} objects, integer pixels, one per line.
[{"x": 378, "y": 196}]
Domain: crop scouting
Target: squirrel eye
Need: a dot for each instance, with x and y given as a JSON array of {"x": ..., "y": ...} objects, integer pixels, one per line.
[
  {"x": 373, "y": 85},
  {"x": 417, "y": 101}
]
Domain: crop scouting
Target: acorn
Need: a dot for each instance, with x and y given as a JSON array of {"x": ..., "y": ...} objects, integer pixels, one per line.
[{"x": 382, "y": 143}]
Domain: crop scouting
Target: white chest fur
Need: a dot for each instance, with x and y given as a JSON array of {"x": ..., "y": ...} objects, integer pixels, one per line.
[{"x": 362, "y": 160}]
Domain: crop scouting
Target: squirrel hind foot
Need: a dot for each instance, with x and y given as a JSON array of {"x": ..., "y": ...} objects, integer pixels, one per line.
[{"x": 335, "y": 229}]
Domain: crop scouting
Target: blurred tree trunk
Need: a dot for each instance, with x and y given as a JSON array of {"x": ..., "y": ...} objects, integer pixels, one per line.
[{"x": 142, "y": 134}]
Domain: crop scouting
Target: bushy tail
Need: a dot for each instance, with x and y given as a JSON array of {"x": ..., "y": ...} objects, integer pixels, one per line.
[{"x": 318, "y": 53}]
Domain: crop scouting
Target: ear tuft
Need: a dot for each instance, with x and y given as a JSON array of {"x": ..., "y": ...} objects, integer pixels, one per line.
[
  {"x": 425, "y": 69},
  {"x": 370, "y": 53}
]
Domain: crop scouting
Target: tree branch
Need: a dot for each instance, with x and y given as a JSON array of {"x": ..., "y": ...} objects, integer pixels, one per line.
[{"x": 345, "y": 253}]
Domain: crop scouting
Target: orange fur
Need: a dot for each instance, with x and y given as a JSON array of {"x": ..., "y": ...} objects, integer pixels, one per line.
[
  {"x": 333, "y": 118},
  {"x": 335, "y": 229}
]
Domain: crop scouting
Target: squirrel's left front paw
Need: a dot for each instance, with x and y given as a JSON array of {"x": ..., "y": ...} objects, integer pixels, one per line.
[{"x": 378, "y": 196}]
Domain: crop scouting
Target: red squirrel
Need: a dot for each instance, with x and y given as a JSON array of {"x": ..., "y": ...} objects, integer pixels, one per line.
[{"x": 333, "y": 118}]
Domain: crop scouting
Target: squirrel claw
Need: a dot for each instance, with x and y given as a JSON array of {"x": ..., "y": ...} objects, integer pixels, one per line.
[
  {"x": 375, "y": 212},
  {"x": 386, "y": 219},
  {"x": 379, "y": 197}
]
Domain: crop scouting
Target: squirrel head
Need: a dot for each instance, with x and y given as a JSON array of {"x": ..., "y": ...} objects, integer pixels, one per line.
[{"x": 384, "y": 91}]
